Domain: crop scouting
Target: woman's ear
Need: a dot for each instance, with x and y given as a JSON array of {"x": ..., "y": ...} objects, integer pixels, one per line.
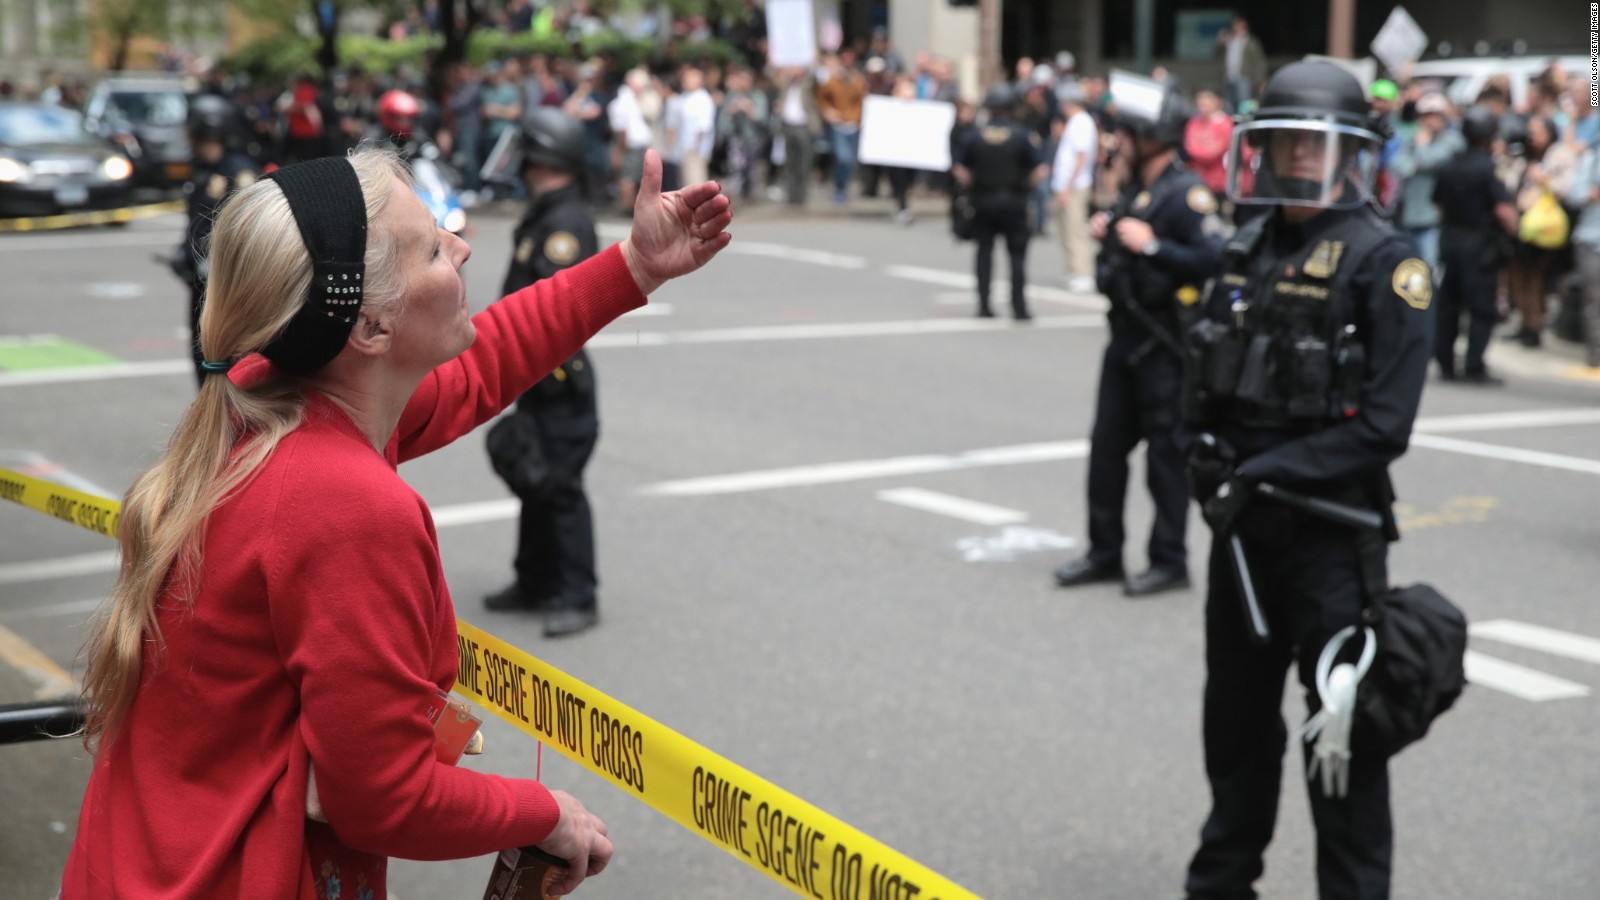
[{"x": 372, "y": 335}]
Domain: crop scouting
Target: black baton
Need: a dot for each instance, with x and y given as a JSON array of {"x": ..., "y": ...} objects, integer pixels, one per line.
[
  {"x": 1257, "y": 622},
  {"x": 1333, "y": 511}
]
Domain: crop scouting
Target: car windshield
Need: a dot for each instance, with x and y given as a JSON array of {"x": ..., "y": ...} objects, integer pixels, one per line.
[
  {"x": 149, "y": 107},
  {"x": 23, "y": 125}
]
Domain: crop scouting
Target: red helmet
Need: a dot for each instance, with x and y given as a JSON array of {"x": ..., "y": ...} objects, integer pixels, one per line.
[{"x": 398, "y": 111}]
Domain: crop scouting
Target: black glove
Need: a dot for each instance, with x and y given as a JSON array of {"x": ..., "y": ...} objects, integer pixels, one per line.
[
  {"x": 1222, "y": 509},
  {"x": 1207, "y": 472}
]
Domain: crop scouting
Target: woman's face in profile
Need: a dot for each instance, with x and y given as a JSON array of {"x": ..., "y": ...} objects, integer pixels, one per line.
[{"x": 435, "y": 324}]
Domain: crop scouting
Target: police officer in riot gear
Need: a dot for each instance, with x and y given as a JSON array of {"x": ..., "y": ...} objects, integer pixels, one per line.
[
  {"x": 1476, "y": 213},
  {"x": 999, "y": 166},
  {"x": 547, "y": 440},
  {"x": 220, "y": 168},
  {"x": 1160, "y": 244},
  {"x": 1305, "y": 375}
]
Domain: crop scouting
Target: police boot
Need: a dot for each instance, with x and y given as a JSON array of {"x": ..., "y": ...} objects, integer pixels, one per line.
[
  {"x": 510, "y": 598},
  {"x": 984, "y": 311},
  {"x": 1086, "y": 571},
  {"x": 1155, "y": 580},
  {"x": 568, "y": 619}
]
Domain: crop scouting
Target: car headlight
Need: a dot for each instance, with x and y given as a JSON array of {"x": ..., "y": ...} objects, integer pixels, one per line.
[
  {"x": 11, "y": 170},
  {"x": 115, "y": 168},
  {"x": 455, "y": 220}
]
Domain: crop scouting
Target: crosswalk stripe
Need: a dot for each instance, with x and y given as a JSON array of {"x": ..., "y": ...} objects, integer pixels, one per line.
[
  {"x": 1519, "y": 681},
  {"x": 954, "y": 507},
  {"x": 1536, "y": 637}
]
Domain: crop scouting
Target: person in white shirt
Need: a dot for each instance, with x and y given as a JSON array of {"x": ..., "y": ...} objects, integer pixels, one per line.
[
  {"x": 631, "y": 125},
  {"x": 1071, "y": 181},
  {"x": 696, "y": 124}
]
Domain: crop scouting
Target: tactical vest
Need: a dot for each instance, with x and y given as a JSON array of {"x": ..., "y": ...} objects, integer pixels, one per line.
[
  {"x": 997, "y": 164},
  {"x": 1291, "y": 354},
  {"x": 1136, "y": 279}
]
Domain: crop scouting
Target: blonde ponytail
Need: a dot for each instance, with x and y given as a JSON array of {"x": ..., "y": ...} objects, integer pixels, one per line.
[{"x": 259, "y": 276}]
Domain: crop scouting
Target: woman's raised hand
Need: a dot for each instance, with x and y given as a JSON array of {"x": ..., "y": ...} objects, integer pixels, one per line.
[{"x": 674, "y": 233}]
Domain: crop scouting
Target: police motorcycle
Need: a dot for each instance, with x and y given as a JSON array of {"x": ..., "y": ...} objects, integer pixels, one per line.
[{"x": 431, "y": 176}]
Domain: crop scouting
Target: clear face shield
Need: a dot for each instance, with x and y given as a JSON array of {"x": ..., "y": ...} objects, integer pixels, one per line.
[{"x": 1300, "y": 162}]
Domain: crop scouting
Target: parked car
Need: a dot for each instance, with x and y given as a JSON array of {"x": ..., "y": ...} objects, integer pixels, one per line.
[
  {"x": 50, "y": 162},
  {"x": 145, "y": 115}
]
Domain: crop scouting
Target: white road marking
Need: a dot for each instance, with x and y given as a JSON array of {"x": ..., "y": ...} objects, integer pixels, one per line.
[
  {"x": 1012, "y": 541},
  {"x": 115, "y": 372},
  {"x": 1537, "y": 637},
  {"x": 60, "y": 567},
  {"x": 650, "y": 309},
  {"x": 1000, "y": 288},
  {"x": 474, "y": 513},
  {"x": 1508, "y": 421},
  {"x": 28, "y": 340},
  {"x": 798, "y": 254},
  {"x": 114, "y": 290},
  {"x": 614, "y": 337},
  {"x": 51, "y": 610},
  {"x": 861, "y": 470},
  {"x": 1507, "y": 454},
  {"x": 954, "y": 507},
  {"x": 1519, "y": 681}
]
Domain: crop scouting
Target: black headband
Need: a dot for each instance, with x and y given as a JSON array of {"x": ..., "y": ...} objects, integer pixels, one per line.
[{"x": 325, "y": 197}]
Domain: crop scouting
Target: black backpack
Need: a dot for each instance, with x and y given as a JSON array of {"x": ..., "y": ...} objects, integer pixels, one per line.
[{"x": 1418, "y": 671}]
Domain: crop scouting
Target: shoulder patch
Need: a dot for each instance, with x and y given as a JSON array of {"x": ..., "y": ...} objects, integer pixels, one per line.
[
  {"x": 1414, "y": 283},
  {"x": 561, "y": 248},
  {"x": 244, "y": 178},
  {"x": 1200, "y": 200},
  {"x": 1033, "y": 139},
  {"x": 1141, "y": 201},
  {"x": 524, "y": 251},
  {"x": 216, "y": 186}
]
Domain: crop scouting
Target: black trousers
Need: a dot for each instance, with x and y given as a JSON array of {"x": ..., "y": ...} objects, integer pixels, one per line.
[
  {"x": 555, "y": 538},
  {"x": 1469, "y": 286},
  {"x": 1140, "y": 392},
  {"x": 1002, "y": 215},
  {"x": 1307, "y": 575}
]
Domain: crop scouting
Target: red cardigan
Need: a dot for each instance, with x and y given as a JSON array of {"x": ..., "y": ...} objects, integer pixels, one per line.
[{"x": 321, "y": 625}]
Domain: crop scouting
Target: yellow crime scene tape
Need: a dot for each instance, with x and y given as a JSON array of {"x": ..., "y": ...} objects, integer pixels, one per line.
[
  {"x": 91, "y": 217},
  {"x": 792, "y": 842}
]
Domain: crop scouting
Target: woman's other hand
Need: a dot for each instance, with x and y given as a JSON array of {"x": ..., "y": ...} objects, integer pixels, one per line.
[
  {"x": 579, "y": 836},
  {"x": 675, "y": 233}
]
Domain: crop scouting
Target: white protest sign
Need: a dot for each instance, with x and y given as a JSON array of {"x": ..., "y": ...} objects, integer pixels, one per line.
[
  {"x": 1400, "y": 41},
  {"x": 791, "y": 33},
  {"x": 914, "y": 134}
]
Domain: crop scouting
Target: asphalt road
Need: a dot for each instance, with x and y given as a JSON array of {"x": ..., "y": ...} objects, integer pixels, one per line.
[{"x": 858, "y": 634}]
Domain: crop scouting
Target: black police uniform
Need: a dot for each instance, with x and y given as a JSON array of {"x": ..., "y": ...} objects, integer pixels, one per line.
[
  {"x": 1001, "y": 157},
  {"x": 1470, "y": 241},
  {"x": 204, "y": 193},
  {"x": 1141, "y": 372},
  {"x": 555, "y": 562},
  {"x": 1309, "y": 367}
]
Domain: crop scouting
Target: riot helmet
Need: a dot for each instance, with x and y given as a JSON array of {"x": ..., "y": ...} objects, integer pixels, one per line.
[
  {"x": 211, "y": 118},
  {"x": 551, "y": 138},
  {"x": 397, "y": 113},
  {"x": 1148, "y": 109},
  {"x": 1480, "y": 126},
  {"x": 1313, "y": 141},
  {"x": 1000, "y": 99}
]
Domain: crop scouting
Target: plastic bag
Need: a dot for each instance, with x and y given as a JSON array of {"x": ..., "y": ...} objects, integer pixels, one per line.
[{"x": 1545, "y": 224}]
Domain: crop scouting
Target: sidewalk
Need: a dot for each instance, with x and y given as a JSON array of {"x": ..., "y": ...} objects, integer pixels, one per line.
[{"x": 1557, "y": 361}]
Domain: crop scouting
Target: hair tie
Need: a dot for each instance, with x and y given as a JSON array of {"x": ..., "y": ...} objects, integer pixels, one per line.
[{"x": 216, "y": 368}]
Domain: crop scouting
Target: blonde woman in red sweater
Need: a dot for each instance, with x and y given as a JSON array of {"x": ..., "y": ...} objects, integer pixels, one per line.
[{"x": 281, "y": 614}]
